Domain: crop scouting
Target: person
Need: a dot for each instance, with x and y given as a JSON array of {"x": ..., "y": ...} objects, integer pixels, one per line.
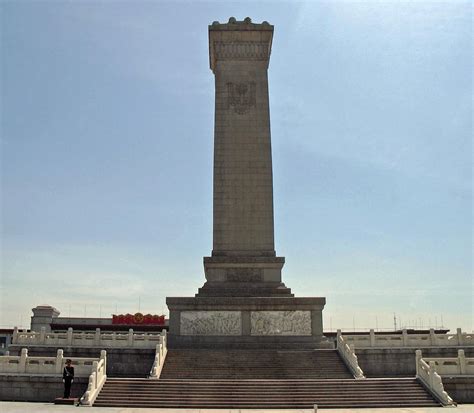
[{"x": 68, "y": 378}]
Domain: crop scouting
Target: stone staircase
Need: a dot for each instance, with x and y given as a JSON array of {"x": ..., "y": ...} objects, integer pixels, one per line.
[
  {"x": 264, "y": 394},
  {"x": 260, "y": 379},
  {"x": 254, "y": 364}
]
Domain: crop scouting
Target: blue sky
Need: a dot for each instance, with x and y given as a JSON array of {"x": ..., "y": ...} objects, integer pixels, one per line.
[{"x": 107, "y": 139}]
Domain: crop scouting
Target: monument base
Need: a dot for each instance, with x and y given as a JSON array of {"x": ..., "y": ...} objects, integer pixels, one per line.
[
  {"x": 243, "y": 276},
  {"x": 246, "y": 322}
]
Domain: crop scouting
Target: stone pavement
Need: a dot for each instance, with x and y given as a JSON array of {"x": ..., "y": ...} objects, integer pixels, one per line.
[{"x": 22, "y": 407}]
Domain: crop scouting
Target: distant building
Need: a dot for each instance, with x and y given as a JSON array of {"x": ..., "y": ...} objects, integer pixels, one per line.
[
  {"x": 6, "y": 335},
  {"x": 48, "y": 317}
]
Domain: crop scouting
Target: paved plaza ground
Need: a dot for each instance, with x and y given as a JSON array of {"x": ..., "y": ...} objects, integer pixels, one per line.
[{"x": 22, "y": 407}]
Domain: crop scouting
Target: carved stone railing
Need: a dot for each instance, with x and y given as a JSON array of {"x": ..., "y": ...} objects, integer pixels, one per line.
[
  {"x": 96, "y": 380},
  {"x": 24, "y": 364},
  {"x": 86, "y": 339},
  {"x": 160, "y": 356},
  {"x": 452, "y": 366},
  {"x": 346, "y": 351},
  {"x": 426, "y": 373},
  {"x": 404, "y": 339}
]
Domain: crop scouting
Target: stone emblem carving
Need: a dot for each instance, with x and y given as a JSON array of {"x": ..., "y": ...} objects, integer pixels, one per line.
[
  {"x": 280, "y": 323},
  {"x": 241, "y": 96},
  {"x": 244, "y": 274},
  {"x": 211, "y": 323},
  {"x": 242, "y": 50}
]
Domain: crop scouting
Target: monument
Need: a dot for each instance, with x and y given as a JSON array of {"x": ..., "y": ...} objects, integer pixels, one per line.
[{"x": 243, "y": 302}]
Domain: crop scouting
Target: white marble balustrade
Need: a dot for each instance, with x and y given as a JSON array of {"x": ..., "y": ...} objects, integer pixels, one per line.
[
  {"x": 25, "y": 364},
  {"x": 96, "y": 380},
  {"x": 160, "y": 356},
  {"x": 404, "y": 339},
  {"x": 87, "y": 339},
  {"x": 426, "y": 372},
  {"x": 346, "y": 351},
  {"x": 451, "y": 366}
]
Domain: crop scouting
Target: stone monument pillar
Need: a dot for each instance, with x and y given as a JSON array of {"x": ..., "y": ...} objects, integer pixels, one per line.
[
  {"x": 243, "y": 260},
  {"x": 243, "y": 302}
]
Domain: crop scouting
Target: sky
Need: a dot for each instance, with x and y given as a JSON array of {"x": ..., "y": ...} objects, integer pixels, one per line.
[{"x": 107, "y": 144}]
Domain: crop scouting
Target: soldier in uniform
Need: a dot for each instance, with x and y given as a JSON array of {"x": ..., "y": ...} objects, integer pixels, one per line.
[{"x": 68, "y": 378}]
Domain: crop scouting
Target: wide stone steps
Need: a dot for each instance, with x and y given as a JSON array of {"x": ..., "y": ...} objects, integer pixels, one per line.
[
  {"x": 253, "y": 364},
  {"x": 263, "y": 394}
]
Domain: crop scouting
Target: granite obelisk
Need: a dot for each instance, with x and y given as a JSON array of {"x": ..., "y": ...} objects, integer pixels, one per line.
[
  {"x": 243, "y": 260},
  {"x": 243, "y": 302}
]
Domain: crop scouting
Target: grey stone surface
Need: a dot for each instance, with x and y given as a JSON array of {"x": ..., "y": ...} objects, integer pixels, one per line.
[
  {"x": 247, "y": 305},
  {"x": 16, "y": 407},
  {"x": 280, "y": 323},
  {"x": 461, "y": 389},
  {"x": 395, "y": 362},
  {"x": 211, "y": 323},
  {"x": 120, "y": 362},
  {"x": 43, "y": 316},
  {"x": 239, "y": 54},
  {"x": 37, "y": 388},
  {"x": 244, "y": 274}
]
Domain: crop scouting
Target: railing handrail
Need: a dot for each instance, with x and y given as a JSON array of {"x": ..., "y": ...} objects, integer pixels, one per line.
[
  {"x": 160, "y": 356},
  {"x": 449, "y": 366},
  {"x": 43, "y": 365},
  {"x": 431, "y": 339},
  {"x": 426, "y": 373},
  {"x": 96, "y": 380},
  {"x": 95, "y": 338},
  {"x": 347, "y": 353}
]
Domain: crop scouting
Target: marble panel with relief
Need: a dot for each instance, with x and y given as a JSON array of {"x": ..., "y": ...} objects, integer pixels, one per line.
[
  {"x": 211, "y": 323},
  {"x": 280, "y": 323}
]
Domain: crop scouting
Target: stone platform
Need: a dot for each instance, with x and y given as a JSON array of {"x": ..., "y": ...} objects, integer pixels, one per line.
[{"x": 246, "y": 322}]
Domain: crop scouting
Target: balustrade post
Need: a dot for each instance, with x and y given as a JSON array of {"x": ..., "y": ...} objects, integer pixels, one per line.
[
  {"x": 103, "y": 356},
  {"x": 164, "y": 338},
  {"x": 59, "y": 360},
  {"x": 405, "y": 337},
  {"x": 97, "y": 337},
  {"x": 130, "y": 337},
  {"x": 418, "y": 357},
  {"x": 462, "y": 361},
  {"x": 95, "y": 368},
  {"x": 338, "y": 337},
  {"x": 459, "y": 334},
  {"x": 69, "y": 336},
  {"x": 7, "y": 353},
  {"x": 94, "y": 379},
  {"x": 158, "y": 356},
  {"x": 23, "y": 358},
  {"x": 431, "y": 374},
  {"x": 42, "y": 336},
  {"x": 432, "y": 337},
  {"x": 372, "y": 338},
  {"x": 15, "y": 336}
]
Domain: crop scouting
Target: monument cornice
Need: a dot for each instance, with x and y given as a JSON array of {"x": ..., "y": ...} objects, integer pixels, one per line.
[
  {"x": 241, "y": 50},
  {"x": 245, "y": 303},
  {"x": 239, "y": 40}
]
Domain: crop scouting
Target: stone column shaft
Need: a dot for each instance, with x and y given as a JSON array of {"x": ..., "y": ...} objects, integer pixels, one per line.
[
  {"x": 243, "y": 187},
  {"x": 243, "y": 260}
]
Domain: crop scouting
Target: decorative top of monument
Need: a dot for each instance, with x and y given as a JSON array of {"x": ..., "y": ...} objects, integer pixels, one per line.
[
  {"x": 239, "y": 40},
  {"x": 246, "y": 24}
]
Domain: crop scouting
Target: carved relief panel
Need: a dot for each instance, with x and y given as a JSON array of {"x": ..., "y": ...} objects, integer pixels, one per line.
[
  {"x": 241, "y": 96},
  {"x": 211, "y": 323},
  {"x": 244, "y": 274},
  {"x": 280, "y": 323}
]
